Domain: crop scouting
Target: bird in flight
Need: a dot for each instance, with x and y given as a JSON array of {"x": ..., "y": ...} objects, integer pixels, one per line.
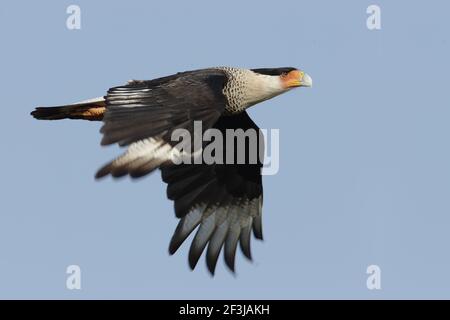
[{"x": 223, "y": 201}]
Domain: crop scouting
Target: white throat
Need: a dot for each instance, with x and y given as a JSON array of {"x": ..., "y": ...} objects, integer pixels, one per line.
[{"x": 262, "y": 87}]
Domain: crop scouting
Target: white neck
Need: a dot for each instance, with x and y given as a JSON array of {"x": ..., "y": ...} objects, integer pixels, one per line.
[{"x": 262, "y": 87}]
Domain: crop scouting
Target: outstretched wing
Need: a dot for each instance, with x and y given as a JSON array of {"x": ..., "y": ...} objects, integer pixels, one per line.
[
  {"x": 143, "y": 115},
  {"x": 223, "y": 200}
]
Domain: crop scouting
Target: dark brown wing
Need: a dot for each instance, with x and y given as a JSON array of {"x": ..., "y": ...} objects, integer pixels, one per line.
[
  {"x": 143, "y": 115},
  {"x": 223, "y": 200}
]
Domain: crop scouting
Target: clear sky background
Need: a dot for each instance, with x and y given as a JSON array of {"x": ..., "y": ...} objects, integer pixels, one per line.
[{"x": 365, "y": 161}]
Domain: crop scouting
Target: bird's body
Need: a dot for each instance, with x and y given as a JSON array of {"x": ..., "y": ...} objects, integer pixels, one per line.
[{"x": 223, "y": 200}]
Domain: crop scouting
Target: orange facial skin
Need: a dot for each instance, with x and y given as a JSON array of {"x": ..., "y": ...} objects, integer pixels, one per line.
[{"x": 292, "y": 79}]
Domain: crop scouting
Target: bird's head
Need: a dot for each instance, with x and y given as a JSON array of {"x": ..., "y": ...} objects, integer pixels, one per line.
[{"x": 289, "y": 77}]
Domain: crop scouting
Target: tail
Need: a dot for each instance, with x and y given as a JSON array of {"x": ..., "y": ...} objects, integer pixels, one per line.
[{"x": 92, "y": 110}]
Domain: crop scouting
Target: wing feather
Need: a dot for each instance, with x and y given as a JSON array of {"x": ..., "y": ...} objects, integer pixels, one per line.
[
  {"x": 143, "y": 115},
  {"x": 226, "y": 200}
]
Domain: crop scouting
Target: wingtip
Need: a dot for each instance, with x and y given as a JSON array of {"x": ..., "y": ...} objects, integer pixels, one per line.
[
  {"x": 247, "y": 255},
  {"x": 103, "y": 171},
  {"x": 232, "y": 270},
  {"x": 173, "y": 247},
  {"x": 192, "y": 263},
  {"x": 194, "y": 257},
  {"x": 257, "y": 230},
  {"x": 212, "y": 272},
  {"x": 100, "y": 175},
  {"x": 211, "y": 265},
  {"x": 230, "y": 262}
]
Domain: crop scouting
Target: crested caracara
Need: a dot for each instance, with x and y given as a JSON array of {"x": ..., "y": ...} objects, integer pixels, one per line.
[{"x": 222, "y": 201}]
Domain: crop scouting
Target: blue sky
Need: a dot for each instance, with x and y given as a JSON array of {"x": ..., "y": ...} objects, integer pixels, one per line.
[{"x": 364, "y": 160}]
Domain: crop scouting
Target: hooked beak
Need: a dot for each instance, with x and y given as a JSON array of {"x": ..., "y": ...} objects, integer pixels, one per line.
[
  {"x": 296, "y": 78},
  {"x": 306, "y": 81}
]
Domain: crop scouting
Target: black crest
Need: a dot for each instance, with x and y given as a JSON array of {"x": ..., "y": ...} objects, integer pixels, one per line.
[{"x": 274, "y": 71}]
